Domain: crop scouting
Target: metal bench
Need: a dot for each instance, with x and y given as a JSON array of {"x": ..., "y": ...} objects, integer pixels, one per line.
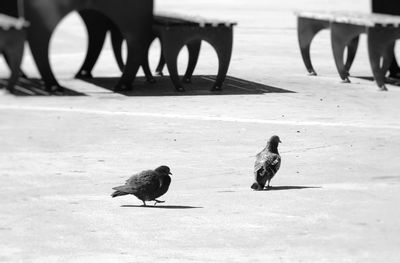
[
  {"x": 133, "y": 18},
  {"x": 382, "y": 31},
  {"x": 12, "y": 40},
  {"x": 174, "y": 31}
]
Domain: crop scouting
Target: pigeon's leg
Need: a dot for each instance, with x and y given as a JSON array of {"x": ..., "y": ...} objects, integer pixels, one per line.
[
  {"x": 158, "y": 201},
  {"x": 144, "y": 203}
]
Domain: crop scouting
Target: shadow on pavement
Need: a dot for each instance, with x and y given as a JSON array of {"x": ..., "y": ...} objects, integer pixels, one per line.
[
  {"x": 292, "y": 187},
  {"x": 386, "y": 177},
  {"x": 200, "y": 85},
  {"x": 35, "y": 87},
  {"x": 388, "y": 80},
  {"x": 164, "y": 206}
]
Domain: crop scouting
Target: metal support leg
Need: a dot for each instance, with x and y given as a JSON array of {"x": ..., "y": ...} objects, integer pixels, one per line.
[
  {"x": 380, "y": 43},
  {"x": 194, "y": 51},
  {"x": 351, "y": 52},
  {"x": 307, "y": 29},
  {"x": 97, "y": 26},
  {"x": 39, "y": 45},
  {"x": 13, "y": 51},
  {"x": 342, "y": 36},
  {"x": 174, "y": 38},
  {"x": 147, "y": 70},
  {"x": 161, "y": 63},
  {"x": 222, "y": 40},
  {"x": 394, "y": 66},
  {"x": 172, "y": 42},
  {"x": 116, "y": 44}
]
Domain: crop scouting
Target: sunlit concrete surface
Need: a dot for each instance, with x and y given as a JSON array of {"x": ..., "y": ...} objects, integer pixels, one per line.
[{"x": 335, "y": 198}]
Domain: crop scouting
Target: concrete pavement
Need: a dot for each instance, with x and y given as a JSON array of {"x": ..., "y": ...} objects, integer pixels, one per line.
[{"x": 335, "y": 196}]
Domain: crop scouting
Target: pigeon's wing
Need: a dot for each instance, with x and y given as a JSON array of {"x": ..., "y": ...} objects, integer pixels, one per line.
[
  {"x": 272, "y": 161},
  {"x": 133, "y": 177},
  {"x": 142, "y": 174},
  {"x": 165, "y": 181},
  {"x": 267, "y": 159},
  {"x": 261, "y": 158},
  {"x": 145, "y": 182},
  {"x": 267, "y": 162},
  {"x": 276, "y": 164},
  {"x": 266, "y": 167}
]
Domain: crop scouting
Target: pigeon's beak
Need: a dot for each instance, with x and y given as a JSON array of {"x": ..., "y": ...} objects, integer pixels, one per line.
[
  {"x": 280, "y": 141},
  {"x": 170, "y": 173}
]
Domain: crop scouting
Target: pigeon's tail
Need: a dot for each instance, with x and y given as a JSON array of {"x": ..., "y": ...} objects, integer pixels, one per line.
[
  {"x": 118, "y": 193},
  {"x": 256, "y": 186},
  {"x": 122, "y": 190}
]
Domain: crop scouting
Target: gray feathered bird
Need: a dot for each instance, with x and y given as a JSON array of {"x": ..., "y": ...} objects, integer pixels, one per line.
[
  {"x": 267, "y": 164},
  {"x": 147, "y": 185}
]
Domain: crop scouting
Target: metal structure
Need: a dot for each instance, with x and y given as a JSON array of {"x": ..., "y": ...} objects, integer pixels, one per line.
[
  {"x": 382, "y": 31},
  {"x": 391, "y": 7},
  {"x": 132, "y": 17}
]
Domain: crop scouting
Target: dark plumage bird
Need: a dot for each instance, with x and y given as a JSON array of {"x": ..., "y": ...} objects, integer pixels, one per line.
[
  {"x": 267, "y": 164},
  {"x": 147, "y": 185}
]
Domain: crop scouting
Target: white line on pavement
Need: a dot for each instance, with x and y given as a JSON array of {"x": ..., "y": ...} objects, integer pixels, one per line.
[{"x": 198, "y": 117}]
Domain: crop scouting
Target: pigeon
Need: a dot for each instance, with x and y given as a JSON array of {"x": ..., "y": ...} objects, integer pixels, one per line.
[
  {"x": 267, "y": 164},
  {"x": 147, "y": 185}
]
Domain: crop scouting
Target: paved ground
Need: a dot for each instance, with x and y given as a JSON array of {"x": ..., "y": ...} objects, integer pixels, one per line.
[{"x": 334, "y": 199}]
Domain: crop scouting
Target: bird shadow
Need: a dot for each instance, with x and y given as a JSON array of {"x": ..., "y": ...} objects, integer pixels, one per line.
[
  {"x": 163, "y": 206},
  {"x": 287, "y": 187}
]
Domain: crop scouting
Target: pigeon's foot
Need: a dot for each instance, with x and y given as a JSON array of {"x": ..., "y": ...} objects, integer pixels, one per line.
[{"x": 158, "y": 201}]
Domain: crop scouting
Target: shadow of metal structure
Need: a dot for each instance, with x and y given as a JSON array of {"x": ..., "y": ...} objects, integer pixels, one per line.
[
  {"x": 36, "y": 87},
  {"x": 200, "y": 85},
  {"x": 395, "y": 81}
]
